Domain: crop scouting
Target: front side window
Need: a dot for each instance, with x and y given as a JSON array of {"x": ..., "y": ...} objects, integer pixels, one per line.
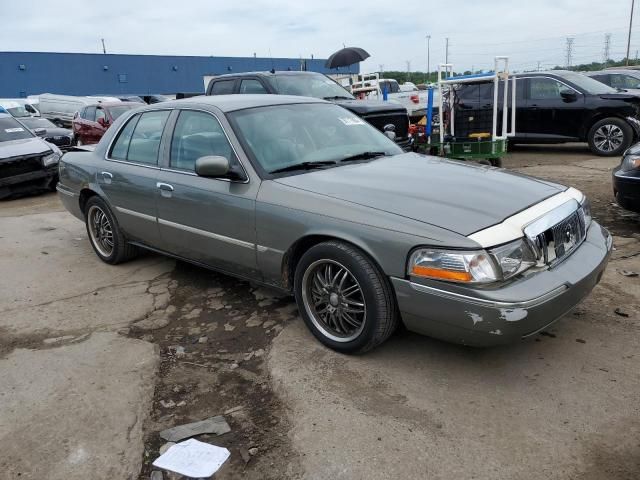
[
  {"x": 89, "y": 114},
  {"x": 100, "y": 114},
  {"x": 139, "y": 140},
  {"x": 223, "y": 87},
  {"x": 286, "y": 135},
  {"x": 197, "y": 134},
  {"x": 544, "y": 89},
  {"x": 251, "y": 85}
]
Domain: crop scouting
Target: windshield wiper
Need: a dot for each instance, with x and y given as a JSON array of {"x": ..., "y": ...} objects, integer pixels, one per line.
[
  {"x": 337, "y": 97},
  {"x": 303, "y": 166},
  {"x": 363, "y": 156}
]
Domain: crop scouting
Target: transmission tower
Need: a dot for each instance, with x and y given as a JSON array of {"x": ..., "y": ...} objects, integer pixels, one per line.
[
  {"x": 607, "y": 49},
  {"x": 569, "y": 50}
]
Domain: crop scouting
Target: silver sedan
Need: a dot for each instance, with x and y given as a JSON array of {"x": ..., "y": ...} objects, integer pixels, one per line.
[{"x": 304, "y": 196}]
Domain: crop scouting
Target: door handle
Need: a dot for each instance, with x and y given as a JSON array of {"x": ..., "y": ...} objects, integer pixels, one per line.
[
  {"x": 164, "y": 186},
  {"x": 165, "y": 189},
  {"x": 107, "y": 177}
]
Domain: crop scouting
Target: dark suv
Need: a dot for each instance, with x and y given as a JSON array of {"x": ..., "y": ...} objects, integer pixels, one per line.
[
  {"x": 389, "y": 118},
  {"x": 556, "y": 107}
]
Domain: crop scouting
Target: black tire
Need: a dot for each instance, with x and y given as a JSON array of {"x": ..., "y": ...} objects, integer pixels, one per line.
[
  {"x": 120, "y": 251},
  {"x": 379, "y": 317},
  {"x": 610, "y": 137},
  {"x": 496, "y": 162}
]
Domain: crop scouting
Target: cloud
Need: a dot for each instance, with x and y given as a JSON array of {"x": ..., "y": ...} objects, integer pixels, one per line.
[{"x": 393, "y": 33}]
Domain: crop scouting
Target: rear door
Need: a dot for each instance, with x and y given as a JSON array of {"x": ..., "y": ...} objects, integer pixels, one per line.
[
  {"x": 209, "y": 220},
  {"x": 130, "y": 175}
]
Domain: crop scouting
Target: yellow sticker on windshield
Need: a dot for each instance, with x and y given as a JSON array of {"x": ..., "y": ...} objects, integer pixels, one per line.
[{"x": 352, "y": 121}]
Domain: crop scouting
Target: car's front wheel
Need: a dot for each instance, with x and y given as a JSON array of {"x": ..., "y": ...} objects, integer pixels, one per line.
[
  {"x": 104, "y": 233},
  {"x": 610, "y": 137},
  {"x": 344, "y": 298}
]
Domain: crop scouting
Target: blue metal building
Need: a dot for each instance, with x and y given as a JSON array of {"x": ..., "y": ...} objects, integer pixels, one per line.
[{"x": 32, "y": 73}]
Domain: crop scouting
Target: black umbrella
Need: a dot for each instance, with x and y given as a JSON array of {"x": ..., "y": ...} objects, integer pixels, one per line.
[{"x": 346, "y": 56}]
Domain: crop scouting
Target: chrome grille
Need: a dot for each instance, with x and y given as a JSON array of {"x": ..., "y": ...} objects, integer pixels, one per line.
[{"x": 557, "y": 242}]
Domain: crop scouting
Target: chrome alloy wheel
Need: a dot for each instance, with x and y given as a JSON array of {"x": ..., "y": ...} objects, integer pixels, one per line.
[
  {"x": 100, "y": 230},
  {"x": 334, "y": 300},
  {"x": 608, "y": 138}
]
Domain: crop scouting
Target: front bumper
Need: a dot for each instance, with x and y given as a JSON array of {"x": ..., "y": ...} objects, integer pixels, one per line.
[
  {"x": 483, "y": 318},
  {"x": 626, "y": 187},
  {"x": 24, "y": 182}
]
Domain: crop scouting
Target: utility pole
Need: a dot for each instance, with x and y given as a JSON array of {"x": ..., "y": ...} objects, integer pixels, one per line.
[
  {"x": 428, "y": 58},
  {"x": 538, "y": 66},
  {"x": 607, "y": 49},
  {"x": 569, "y": 50},
  {"x": 630, "y": 25},
  {"x": 446, "y": 51},
  {"x": 408, "y": 70},
  {"x": 381, "y": 69},
  {"x": 104, "y": 49}
]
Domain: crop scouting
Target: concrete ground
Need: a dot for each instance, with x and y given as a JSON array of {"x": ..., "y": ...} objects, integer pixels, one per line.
[{"x": 95, "y": 360}]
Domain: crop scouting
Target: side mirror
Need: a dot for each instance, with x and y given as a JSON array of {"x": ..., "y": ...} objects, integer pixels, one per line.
[
  {"x": 103, "y": 122},
  {"x": 41, "y": 132},
  {"x": 568, "y": 95},
  {"x": 212, "y": 166}
]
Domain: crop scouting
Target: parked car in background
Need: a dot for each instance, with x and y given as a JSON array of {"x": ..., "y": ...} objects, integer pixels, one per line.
[
  {"x": 60, "y": 137},
  {"x": 155, "y": 98},
  {"x": 557, "y": 107},
  {"x": 92, "y": 121},
  {"x": 60, "y": 109},
  {"x": 627, "y": 80},
  {"x": 386, "y": 117},
  {"x": 626, "y": 180},
  {"x": 17, "y": 108},
  {"x": 303, "y": 195},
  {"x": 27, "y": 162}
]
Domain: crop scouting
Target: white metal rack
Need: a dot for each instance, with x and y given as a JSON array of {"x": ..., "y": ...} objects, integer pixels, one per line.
[{"x": 446, "y": 80}]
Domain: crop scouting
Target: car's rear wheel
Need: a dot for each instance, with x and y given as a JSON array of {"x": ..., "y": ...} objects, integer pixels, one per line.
[
  {"x": 104, "y": 233},
  {"x": 610, "y": 137},
  {"x": 344, "y": 298}
]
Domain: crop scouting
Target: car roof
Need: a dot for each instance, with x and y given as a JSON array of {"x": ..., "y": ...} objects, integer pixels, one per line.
[
  {"x": 271, "y": 73},
  {"x": 230, "y": 103},
  {"x": 114, "y": 104}
]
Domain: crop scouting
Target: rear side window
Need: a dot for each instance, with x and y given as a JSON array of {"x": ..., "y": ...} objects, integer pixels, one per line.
[
  {"x": 197, "y": 134},
  {"x": 223, "y": 87},
  {"x": 139, "y": 140},
  {"x": 251, "y": 85}
]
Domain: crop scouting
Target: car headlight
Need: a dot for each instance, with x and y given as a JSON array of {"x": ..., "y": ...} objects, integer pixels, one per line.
[
  {"x": 585, "y": 211},
  {"x": 630, "y": 162},
  {"x": 453, "y": 266},
  {"x": 50, "y": 159},
  {"x": 481, "y": 266}
]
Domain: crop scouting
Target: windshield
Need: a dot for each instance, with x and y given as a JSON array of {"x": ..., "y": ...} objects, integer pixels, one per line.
[
  {"x": 120, "y": 109},
  {"x": 285, "y": 135},
  {"x": 18, "y": 111},
  {"x": 308, "y": 85},
  {"x": 588, "y": 84},
  {"x": 11, "y": 129},
  {"x": 32, "y": 122}
]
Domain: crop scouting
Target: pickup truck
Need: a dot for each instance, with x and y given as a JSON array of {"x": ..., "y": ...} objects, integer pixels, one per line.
[
  {"x": 371, "y": 86},
  {"x": 390, "y": 118}
]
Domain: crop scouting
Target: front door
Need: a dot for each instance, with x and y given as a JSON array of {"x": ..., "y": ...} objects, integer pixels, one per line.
[
  {"x": 548, "y": 115},
  {"x": 209, "y": 220},
  {"x": 129, "y": 176}
]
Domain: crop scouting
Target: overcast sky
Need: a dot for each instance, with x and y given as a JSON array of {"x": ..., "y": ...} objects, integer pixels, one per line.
[{"x": 392, "y": 32}]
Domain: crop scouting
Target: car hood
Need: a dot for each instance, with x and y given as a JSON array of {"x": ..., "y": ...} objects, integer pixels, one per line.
[
  {"x": 361, "y": 107},
  {"x": 460, "y": 197},
  {"x": 23, "y": 147}
]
